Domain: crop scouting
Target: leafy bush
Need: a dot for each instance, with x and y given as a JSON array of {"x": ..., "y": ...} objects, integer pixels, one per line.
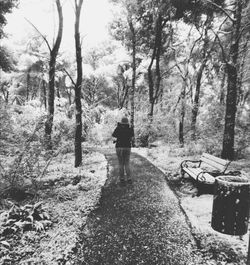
[
  {"x": 144, "y": 134},
  {"x": 25, "y": 218},
  {"x": 212, "y": 145},
  {"x": 63, "y": 130},
  {"x": 242, "y": 136},
  {"x": 101, "y": 133},
  {"x": 26, "y": 161},
  {"x": 6, "y": 128}
]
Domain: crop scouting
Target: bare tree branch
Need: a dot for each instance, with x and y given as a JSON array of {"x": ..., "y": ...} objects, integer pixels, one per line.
[
  {"x": 44, "y": 38},
  {"x": 221, "y": 46},
  {"x": 221, "y": 9},
  {"x": 70, "y": 77}
]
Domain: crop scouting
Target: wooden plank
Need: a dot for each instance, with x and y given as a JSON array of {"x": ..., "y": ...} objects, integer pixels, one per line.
[
  {"x": 213, "y": 164},
  {"x": 194, "y": 172},
  {"x": 216, "y": 159},
  {"x": 208, "y": 178}
]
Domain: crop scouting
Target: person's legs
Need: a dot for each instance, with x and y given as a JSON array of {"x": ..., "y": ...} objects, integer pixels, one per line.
[
  {"x": 119, "y": 153},
  {"x": 127, "y": 152}
]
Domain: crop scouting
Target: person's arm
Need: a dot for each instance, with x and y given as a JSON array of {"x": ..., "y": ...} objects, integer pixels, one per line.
[
  {"x": 132, "y": 136},
  {"x": 115, "y": 133},
  {"x": 133, "y": 133}
]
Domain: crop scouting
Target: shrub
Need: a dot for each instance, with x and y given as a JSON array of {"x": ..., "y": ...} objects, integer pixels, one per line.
[
  {"x": 24, "y": 218},
  {"x": 101, "y": 133},
  {"x": 6, "y": 128},
  {"x": 242, "y": 136}
]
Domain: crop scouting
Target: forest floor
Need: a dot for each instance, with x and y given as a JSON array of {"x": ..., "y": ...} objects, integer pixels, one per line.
[
  {"x": 156, "y": 220},
  {"x": 67, "y": 195}
]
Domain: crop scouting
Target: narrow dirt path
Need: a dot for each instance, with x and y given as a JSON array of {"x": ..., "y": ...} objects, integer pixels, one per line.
[{"x": 140, "y": 223}]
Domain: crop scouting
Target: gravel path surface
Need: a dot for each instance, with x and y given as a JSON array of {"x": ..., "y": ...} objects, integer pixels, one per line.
[{"x": 140, "y": 223}]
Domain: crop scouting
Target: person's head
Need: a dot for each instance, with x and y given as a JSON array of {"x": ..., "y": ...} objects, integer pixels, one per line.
[{"x": 124, "y": 120}]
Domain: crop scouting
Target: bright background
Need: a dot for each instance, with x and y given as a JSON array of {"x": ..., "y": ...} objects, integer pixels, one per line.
[{"x": 95, "y": 17}]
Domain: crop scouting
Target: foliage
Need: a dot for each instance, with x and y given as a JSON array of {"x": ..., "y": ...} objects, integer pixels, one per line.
[
  {"x": 63, "y": 129},
  {"x": 25, "y": 160},
  {"x": 193, "y": 10},
  {"x": 6, "y": 60},
  {"x": 25, "y": 163},
  {"x": 25, "y": 218},
  {"x": 242, "y": 135},
  {"x": 6, "y": 127},
  {"x": 146, "y": 133},
  {"x": 5, "y": 7},
  {"x": 97, "y": 88}
]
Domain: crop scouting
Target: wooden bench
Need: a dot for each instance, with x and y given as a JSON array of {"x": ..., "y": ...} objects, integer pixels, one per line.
[{"x": 206, "y": 169}]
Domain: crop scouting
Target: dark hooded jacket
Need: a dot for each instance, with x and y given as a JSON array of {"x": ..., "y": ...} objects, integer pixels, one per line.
[{"x": 124, "y": 135}]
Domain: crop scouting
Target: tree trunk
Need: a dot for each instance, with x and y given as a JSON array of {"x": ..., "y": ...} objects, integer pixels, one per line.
[
  {"x": 195, "y": 108},
  {"x": 51, "y": 90},
  {"x": 157, "y": 59},
  {"x": 181, "y": 131},
  {"x": 154, "y": 84},
  {"x": 44, "y": 87},
  {"x": 124, "y": 93},
  {"x": 222, "y": 88},
  {"x": 133, "y": 37},
  {"x": 205, "y": 55},
  {"x": 58, "y": 92},
  {"x": 28, "y": 85},
  {"x": 151, "y": 111},
  {"x": 69, "y": 97},
  {"x": 51, "y": 99},
  {"x": 182, "y": 114},
  {"x": 231, "y": 100},
  {"x": 78, "y": 86},
  {"x": 228, "y": 137}
]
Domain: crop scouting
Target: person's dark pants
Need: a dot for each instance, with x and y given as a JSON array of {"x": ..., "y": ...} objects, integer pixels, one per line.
[{"x": 123, "y": 155}]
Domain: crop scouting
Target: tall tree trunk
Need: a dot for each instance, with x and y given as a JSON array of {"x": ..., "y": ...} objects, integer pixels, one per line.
[
  {"x": 28, "y": 85},
  {"x": 58, "y": 92},
  {"x": 222, "y": 87},
  {"x": 78, "y": 86},
  {"x": 51, "y": 99},
  {"x": 196, "y": 103},
  {"x": 69, "y": 96},
  {"x": 205, "y": 55},
  {"x": 133, "y": 38},
  {"x": 228, "y": 137},
  {"x": 182, "y": 114},
  {"x": 51, "y": 90},
  {"x": 124, "y": 93},
  {"x": 44, "y": 87},
  {"x": 154, "y": 83},
  {"x": 157, "y": 59},
  {"x": 231, "y": 100}
]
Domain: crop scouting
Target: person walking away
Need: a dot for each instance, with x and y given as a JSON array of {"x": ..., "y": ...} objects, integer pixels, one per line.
[{"x": 124, "y": 135}]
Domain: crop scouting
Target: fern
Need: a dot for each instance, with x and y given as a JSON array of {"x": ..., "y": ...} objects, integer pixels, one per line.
[{"x": 24, "y": 218}]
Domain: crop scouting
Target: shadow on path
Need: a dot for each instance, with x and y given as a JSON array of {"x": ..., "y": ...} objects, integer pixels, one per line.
[{"x": 140, "y": 223}]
